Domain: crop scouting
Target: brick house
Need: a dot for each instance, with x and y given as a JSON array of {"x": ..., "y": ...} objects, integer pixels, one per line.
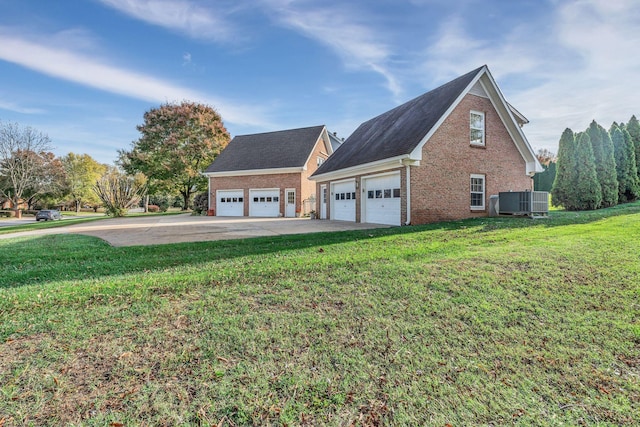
[
  {"x": 267, "y": 174},
  {"x": 437, "y": 157}
]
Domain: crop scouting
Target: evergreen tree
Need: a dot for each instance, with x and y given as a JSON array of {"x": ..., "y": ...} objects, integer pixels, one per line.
[
  {"x": 543, "y": 181},
  {"x": 626, "y": 169},
  {"x": 633, "y": 184},
  {"x": 562, "y": 191},
  {"x": 588, "y": 194},
  {"x": 633, "y": 127},
  {"x": 605, "y": 163}
]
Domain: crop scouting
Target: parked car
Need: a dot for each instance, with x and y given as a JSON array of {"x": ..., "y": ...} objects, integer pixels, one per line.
[{"x": 48, "y": 214}]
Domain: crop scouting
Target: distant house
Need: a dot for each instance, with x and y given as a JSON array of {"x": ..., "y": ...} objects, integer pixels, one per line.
[
  {"x": 267, "y": 174},
  {"x": 437, "y": 157}
]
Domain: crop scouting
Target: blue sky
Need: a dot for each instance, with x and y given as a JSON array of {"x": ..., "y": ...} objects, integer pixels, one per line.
[{"x": 85, "y": 71}]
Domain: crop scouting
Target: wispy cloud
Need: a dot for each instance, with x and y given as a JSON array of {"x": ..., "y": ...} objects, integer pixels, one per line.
[
  {"x": 184, "y": 16},
  {"x": 358, "y": 46},
  {"x": 88, "y": 71},
  {"x": 12, "y": 106},
  {"x": 581, "y": 66}
]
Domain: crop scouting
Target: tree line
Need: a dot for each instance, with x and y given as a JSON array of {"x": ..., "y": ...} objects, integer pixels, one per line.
[
  {"x": 595, "y": 168},
  {"x": 163, "y": 166}
]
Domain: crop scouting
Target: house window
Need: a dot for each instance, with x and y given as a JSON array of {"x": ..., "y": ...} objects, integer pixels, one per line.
[
  {"x": 319, "y": 161},
  {"x": 477, "y": 128},
  {"x": 477, "y": 192}
]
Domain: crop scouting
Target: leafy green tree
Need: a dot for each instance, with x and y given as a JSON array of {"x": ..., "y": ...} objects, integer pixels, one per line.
[
  {"x": 588, "y": 194},
  {"x": 562, "y": 193},
  {"x": 625, "y": 164},
  {"x": 178, "y": 141},
  {"x": 605, "y": 163},
  {"x": 82, "y": 173},
  {"x": 633, "y": 127}
]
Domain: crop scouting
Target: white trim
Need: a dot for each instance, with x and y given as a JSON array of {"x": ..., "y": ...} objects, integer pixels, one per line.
[
  {"x": 483, "y": 129},
  {"x": 478, "y": 90},
  {"x": 417, "y": 152},
  {"x": 254, "y": 172},
  {"x": 324, "y": 135},
  {"x": 484, "y": 191},
  {"x": 518, "y": 114},
  {"x": 209, "y": 193},
  {"x": 515, "y": 131},
  {"x": 363, "y": 169},
  {"x": 286, "y": 201},
  {"x": 324, "y": 196}
]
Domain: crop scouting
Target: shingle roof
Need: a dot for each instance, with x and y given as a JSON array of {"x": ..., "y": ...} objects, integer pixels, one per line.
[
  {"x": 271, "y": 150},
  {"x": 398, "y": 131}
]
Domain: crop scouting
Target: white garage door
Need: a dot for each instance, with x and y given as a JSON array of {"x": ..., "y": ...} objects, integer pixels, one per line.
[
  {"x": 343, "y": 201},
  {"x": 264, "y": 203},
  {"x": 382, "y": 202},
  {"x": 229, "y": 203}
]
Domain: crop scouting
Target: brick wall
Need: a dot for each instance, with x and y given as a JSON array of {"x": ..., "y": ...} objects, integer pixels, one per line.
[
  {"x": 303, "y": 186},
  {"x": 308, "y": 186},
  {"x": 440, "y": 185},
  {"x": 281, "y": 181}
]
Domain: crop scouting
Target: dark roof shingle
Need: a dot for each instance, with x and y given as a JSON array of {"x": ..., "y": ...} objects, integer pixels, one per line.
[
  {"x": 398, "y": 131},
  {"x": 271, "y": 150}
]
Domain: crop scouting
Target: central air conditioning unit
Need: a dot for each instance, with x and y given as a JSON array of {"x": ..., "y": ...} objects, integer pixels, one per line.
[{"x": 530, "y": 203}]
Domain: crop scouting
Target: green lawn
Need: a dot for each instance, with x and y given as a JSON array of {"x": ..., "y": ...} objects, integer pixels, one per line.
[{"x": 482, "y": 322}]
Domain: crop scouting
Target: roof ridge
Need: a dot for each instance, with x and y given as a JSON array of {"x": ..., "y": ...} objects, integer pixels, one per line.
[{"x": 282, "y": 130}]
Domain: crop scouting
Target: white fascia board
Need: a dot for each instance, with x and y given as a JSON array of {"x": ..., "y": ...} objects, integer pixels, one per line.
[
  {"x": 417, "y": 152},
  {"x": 518, "y": 114},
  {"x": 367, "y": 168},
  {"x": 515, "y": 131},
  {"x": 325, "y": 139},
  {"x": 254, "y": 172}
]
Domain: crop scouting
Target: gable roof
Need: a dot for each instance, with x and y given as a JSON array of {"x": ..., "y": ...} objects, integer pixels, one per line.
[
  {"x": 271, "y": 150},
  {"x": 401, "y": 132}
]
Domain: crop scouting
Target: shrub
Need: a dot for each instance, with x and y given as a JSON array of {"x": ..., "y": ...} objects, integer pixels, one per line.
[
  {"x": 161, "y": 201},
  {"x": 200, "y": 203},
  {"x": 154, "y": 208}
]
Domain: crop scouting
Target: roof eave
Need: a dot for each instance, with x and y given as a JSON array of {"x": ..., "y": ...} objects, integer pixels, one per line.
[
  {"x": 365, "y": 168},
  {"x": 253, "y": 172}
]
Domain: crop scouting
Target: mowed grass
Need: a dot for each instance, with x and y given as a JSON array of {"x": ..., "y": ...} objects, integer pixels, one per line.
[{"x": 481, "y": 322}]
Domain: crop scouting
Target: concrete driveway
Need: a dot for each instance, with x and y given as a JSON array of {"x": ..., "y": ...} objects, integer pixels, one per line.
[{"x": 154, "y": 230}]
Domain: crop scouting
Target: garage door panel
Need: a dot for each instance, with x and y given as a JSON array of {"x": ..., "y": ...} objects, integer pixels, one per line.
[
  {"x": 382, "y": 202},
  {"x": 264, "y": 203},
  {"x": 343, "y": 206},
  {"x": 230, "y": 203}
]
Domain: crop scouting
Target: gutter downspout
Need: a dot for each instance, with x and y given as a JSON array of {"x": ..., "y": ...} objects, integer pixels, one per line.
[
  {"x": 209, "y": 191},
  {"x": 408, "y": 222}
]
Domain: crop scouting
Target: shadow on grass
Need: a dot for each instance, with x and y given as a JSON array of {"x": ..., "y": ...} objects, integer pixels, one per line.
[{"x": 50, "y": 258}]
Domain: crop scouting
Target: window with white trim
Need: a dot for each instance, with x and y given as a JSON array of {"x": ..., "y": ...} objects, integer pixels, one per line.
[
  {"x": 319, "y": 161},
  {"x": 476, "y": 126},
  {"x": 477, "y": 192}
]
